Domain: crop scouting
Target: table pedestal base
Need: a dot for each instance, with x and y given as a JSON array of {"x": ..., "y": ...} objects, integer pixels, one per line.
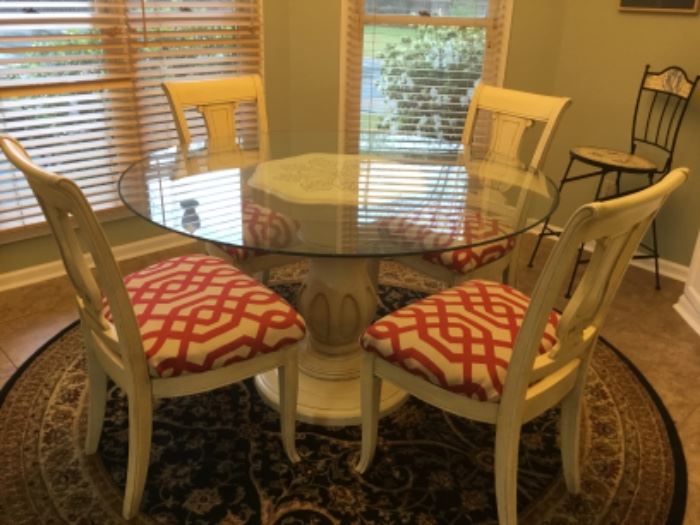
[
  {"x": 329, "y": 403},
  {"x": 338, "y": 299}
]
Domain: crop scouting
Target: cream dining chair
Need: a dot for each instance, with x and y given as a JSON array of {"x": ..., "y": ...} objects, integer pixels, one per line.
[
  {"x": 485, "y": 351},
  {"x": 224, "y": 103},
  {"x": 509, "y": 116},
  {"x": 185, "y": 325}
]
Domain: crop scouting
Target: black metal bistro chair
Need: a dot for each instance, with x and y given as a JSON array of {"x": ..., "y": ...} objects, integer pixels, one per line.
[{"x": 658, "y": 114}]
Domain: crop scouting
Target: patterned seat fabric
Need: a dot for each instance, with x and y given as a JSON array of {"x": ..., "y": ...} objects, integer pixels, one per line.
[
  {"x": 197, "y": 313},
  {"x": 460, "y": 339},
  {"x": 477, "y": 227},
  {"x": 262, "y": 226}
]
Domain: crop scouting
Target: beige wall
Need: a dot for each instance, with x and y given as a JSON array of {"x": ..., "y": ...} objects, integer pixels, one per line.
[{"x": 594, "y": 54}]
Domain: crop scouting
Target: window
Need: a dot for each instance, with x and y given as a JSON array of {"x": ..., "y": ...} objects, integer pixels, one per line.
[
  {"x": 80, "y": 84},
  {"x": 410, "y": 66}
]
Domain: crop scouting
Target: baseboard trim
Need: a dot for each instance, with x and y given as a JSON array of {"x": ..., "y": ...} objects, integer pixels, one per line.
[
  {"x": 670, "y": 269},
  {"x": 50, "y": 270},
  {"x": 688, "y": 307},
  {"x": 122, "y": 252}
]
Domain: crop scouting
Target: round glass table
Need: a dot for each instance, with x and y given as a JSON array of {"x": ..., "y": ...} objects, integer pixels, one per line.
[{"x": 344, "y": 211}]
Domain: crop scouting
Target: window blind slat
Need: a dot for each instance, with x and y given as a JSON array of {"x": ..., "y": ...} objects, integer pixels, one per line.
[
  {"x": 411, "y": 67},
  {"x": 80, "y": 84}
]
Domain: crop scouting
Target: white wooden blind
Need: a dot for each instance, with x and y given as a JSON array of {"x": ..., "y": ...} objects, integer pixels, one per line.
[
  {"x": 409, "y": 90},
  {"x": 80, "y": 84},
  {"x": 351, "y": 71},
  {"x": 182, "y": 40}
]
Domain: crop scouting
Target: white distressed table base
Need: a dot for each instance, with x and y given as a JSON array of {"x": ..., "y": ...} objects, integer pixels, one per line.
[
  {"x": 338, "y": 300},
  {"x": 328, "y": 402}
]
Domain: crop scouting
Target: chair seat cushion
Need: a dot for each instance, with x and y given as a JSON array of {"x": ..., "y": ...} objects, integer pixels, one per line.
[
  {"x": 477, "y": 228},
  {"x": 197, "y": 313},
  {"x": 460, "y": 339},
  {"x": 262, "y": 227},
  {"x": 614, "y": 159}
]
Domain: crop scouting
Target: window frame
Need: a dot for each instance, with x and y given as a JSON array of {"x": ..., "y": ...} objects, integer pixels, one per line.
[
  {"x": 221, "y": 31},
  {"x": 354, "y": 20}
]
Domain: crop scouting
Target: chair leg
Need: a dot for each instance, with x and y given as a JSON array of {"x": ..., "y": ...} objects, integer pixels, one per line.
[
  {"x": 370, "y": 387},
  {"x": 599, "y": 187},
  {"x": 571, "y": 413},
  {"x": 506, "y": 473},
  {"x": 97, "y": 400},
  {"x": 542, "y": 233},
  {"x": 617, "y": 182},
  {"x": 655, "y": 252},
  {"x": 140, "y": 430},
  {"x": 288, "y": 377},
  {"x": 654, "y": 240},
  {"x": 569, "y": 288},
  {"x": 538, "y": 242},
  {"x": 579, "y": 256},
  {"x": 510, "y": 274}
]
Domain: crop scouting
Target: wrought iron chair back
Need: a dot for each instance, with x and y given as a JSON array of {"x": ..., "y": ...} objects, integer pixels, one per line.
[{"x": 662, "y": 102}]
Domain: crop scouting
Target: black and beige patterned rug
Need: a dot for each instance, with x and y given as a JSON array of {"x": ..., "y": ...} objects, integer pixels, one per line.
[{"x": 217, "y": 457}]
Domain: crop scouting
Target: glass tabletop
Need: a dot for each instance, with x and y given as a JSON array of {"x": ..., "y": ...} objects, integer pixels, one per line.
[{"x": 302, "y": 194}]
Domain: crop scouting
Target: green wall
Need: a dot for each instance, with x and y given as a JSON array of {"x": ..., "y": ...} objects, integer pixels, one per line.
[
  {"x": 588, "y": 51},
  {"x": 38, "y": 250},
  {"x": 302, "y": 71},
  {"x": 595, "y": 54},
  {"x": 302, "y": 93},
  {"x": 301, "y": 63}
]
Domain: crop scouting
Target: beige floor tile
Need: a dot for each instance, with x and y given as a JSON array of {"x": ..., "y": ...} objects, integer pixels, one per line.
[
  {"x": 7, "y": 368},
  {"x": 689, "y": 432},
  {"x": 24, "y": 335},
  {"x": 692, "y": 509},
  {"x": 21, "y": 302}
]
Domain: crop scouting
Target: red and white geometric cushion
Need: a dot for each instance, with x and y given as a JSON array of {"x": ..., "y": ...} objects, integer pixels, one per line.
[
  {"x": 460, "y": 339},
  {"x": 239, "y": 254},
  {"x": 197, "y": 313},
  {"x": 262, "y": 226},
  {"x": 478, "y": 227}
]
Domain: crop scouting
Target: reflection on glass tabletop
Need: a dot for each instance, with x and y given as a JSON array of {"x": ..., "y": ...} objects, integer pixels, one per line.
[{"x": 311, "y": 194}]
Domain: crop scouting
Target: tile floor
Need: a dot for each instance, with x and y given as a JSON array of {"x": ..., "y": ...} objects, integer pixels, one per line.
[{"x": 642, "y": 324}]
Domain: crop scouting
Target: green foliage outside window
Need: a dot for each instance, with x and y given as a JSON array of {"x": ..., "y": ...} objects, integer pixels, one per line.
[{"x": 426, "y": 77}]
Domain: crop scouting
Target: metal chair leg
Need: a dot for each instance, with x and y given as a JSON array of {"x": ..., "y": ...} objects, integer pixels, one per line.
[
  {"x": 573, "y": 273},
  {"x": 599, "y": 188},
  {"x": 654, "y": 241},
  {"x": 538, "y": 242},
  {"x": 655, "y": 252},
  {"x": 545, "y": 225}
]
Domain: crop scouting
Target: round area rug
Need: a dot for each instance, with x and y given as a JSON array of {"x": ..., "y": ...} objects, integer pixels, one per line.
[{"x": 217, "y": 457}]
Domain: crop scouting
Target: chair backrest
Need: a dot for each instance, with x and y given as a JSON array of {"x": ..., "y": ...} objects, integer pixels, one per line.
[
  {"x": 616, "y": 228},
  {"x": 658, "y": 114},
  {"x": 75, "y": 226},
  {"x": 219, "y": 101},
  {"x": 511, "y": 113}
]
